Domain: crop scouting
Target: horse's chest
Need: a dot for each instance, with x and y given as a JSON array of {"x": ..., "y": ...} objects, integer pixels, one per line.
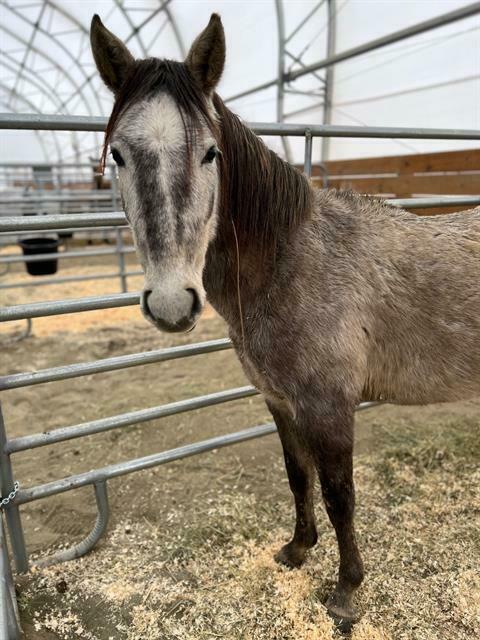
[{"x": 256, "y": 369}]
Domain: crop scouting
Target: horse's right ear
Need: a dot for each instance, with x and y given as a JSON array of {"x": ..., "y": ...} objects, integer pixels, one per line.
[{"x": 111, "y": 56}]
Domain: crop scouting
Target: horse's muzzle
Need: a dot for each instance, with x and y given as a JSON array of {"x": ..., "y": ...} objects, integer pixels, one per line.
[{"x": 171, "y": 311}]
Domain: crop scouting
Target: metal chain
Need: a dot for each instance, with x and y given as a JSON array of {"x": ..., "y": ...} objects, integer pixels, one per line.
[{"x": 10, "y": 497}]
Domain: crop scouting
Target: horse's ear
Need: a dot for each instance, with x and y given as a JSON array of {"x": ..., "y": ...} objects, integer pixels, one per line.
[
  {"x": 206, "y": 57},
  {"x": 112, "y": 57}
]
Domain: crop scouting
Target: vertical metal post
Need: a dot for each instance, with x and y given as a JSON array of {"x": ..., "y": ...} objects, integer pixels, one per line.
[
  {"x": 329, "y": 73},
  {"x": 59, "y": 188},
  {"x": 60, "y": 177},
  {"x": 12, "y": 513},
  {"x": 307, "y": 164},
  {"x": 121, "y": 261},
  {"x": 4, "y": 587},
  {"x": 9, "y": 618},
  {"x": 281, "y": 74},
  {"x": 120, "y": 253}
]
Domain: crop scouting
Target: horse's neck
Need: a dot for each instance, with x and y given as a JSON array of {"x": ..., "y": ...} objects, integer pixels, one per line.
[
  {"x": 265, "y": 202},
  {"x": 231, "y": 281}
]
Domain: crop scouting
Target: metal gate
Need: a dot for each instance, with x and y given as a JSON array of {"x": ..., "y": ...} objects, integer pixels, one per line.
[
  {"x": 13, "y": 496},
  {"x": 65, "y": 202}
]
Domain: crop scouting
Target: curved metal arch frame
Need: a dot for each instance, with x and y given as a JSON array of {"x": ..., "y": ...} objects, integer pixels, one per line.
[
  {"x": 44, "y": 87},
  {"x": 31, "y": 105},
  {"x": 135, "y": 31},
  {"x": 39, "y": 137},
  {"x": 87, "y": 78},
  {"x": 176, "y": 31},
  {"x": 283, "y": 77},
  {"x": 27, "y": 51},
  {"x": 57, "y": 42},
  {"x": 78, "y": 90},
  {"x": 39, "y": 83},
  {"x": 84, "y": 30},
  {"x": 396, "y": 36},
  {"x": 165, "y": 6},
  {"x": 51, "y": 61},
  {"x": 78, "y": 87}
]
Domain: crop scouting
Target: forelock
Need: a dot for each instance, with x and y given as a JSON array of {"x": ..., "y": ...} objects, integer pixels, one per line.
[{"x": 152, "y": 77}]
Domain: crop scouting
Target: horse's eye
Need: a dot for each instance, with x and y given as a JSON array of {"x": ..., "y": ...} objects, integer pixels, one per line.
[
  {"x": 210, "y": 155},
  {"x": 118, "y": 158}
]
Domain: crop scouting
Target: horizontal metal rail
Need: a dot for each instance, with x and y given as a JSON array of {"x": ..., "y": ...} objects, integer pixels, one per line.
[
  {"x": 434, "y": 201},
  {"x": 60, "y": 221},
  {"x": 40, "y": 233},
  {"x": 147, "y": 462},
  {"x": 17, "y": 380},
  {"x": 53, "y": 165},
  {"x": 83, "y": 123},
  {"x": 27, "y": 185},
  {"x": 58, "y": 307},
  {"x": 40, "y": 282},
  {"x": 80, "y": 210},
  {"x": 126, "y": 419},
  {"x": 62, "y": 255},
  {"x": 31, "y": 198},
  {"x": 341, "y": 131},
  {"x": 40, "y": 309},
  {"x": 39, "y": 122},
  {"x": 74, "y": 212}
]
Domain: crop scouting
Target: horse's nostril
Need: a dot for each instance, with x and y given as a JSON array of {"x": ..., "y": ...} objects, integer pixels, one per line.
[{"x": 196, "y": 305}]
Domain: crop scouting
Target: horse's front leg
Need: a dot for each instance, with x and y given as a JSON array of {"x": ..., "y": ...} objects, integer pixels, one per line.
[
  {"x": 301, "y": 477},
  {"x": 327, "y": 424}
]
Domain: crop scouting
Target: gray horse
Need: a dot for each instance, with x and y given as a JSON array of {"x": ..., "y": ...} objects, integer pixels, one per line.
[{"x": 331, "y": 298}]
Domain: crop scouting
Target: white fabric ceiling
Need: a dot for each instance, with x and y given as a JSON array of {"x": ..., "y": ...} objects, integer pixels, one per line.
[{"x": 430, "y": 80}]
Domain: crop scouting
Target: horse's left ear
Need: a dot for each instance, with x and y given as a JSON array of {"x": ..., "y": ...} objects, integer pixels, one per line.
[{"x": 206, "y": 57}]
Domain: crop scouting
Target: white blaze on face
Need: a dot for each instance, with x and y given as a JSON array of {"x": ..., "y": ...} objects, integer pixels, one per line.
[{"x": 169, "y": 193}]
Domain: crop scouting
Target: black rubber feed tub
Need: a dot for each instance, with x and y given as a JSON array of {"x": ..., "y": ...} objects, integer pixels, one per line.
[{"x": 36, "y": 246}]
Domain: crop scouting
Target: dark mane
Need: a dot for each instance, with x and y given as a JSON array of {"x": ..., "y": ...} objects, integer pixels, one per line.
[{"x": 264, "y": 195}]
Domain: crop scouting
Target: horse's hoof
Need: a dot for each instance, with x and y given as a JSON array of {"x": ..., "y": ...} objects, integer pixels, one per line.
[
  {"x": 290, "y": 557},
  {"x": 343, "y": 617}
]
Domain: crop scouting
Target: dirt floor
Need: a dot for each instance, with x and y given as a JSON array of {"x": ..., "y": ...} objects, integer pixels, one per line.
[{"x": 189, "y": 548}]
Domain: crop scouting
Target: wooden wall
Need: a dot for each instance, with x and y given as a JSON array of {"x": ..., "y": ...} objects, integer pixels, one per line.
[{"x": 426, "y": 174}]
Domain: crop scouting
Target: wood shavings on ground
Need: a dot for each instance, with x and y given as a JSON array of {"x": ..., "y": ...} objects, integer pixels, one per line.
[
  {"x": 189, "y": 550},
  {"x": 208, "y": 572}
]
